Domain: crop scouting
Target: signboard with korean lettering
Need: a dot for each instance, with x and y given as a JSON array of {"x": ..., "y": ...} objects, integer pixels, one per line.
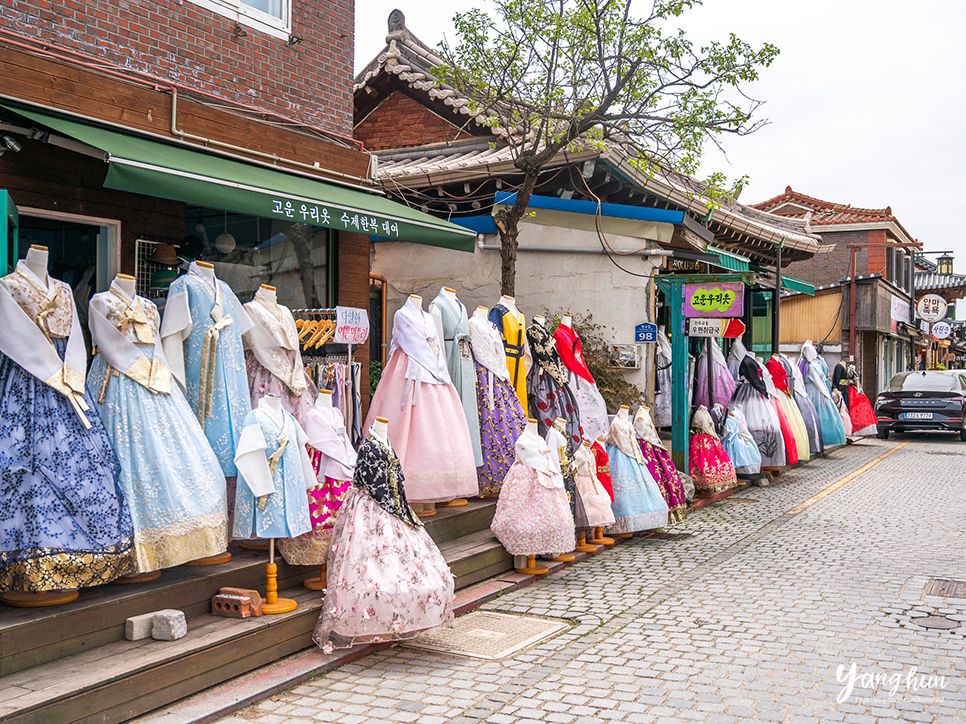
[
  {"x": 645, "y": 332},
  {"x": 332, "y": 217},
  {"x": 931, "y": 307},
  {"x": 714, "y": 300},
  {"x": 351, "y": 325},
  {"x": 941, "y": 330}
]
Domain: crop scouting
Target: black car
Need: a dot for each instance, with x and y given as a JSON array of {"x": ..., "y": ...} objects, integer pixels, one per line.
[{"x": 929, "y": 400}]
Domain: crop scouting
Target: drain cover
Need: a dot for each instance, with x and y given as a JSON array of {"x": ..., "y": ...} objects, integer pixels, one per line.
[
  {"x": 667, "y": 535},
  {"x": 946, "y": 589},
  {"x": 489, "y": 636},
  {"x": 940, "y": 622}
]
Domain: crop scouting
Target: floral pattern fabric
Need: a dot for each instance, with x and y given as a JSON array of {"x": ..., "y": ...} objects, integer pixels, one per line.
[
  {"x": 532, "y": 519},
  {"x": 501, "y": 423}
]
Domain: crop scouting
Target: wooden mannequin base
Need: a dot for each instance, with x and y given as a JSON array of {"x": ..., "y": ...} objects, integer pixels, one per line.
[
  {"x": 622, "y": 535},
  {"x": 255, "y": 544},
  {"x": 491, "y": 496},
  {"x": 281, "y": 605},
  {"x": 24, "y": 599},
  {"x": 139, "y": 578},
  {"x": 532, "y": 568},
  {"x": 215, "y": 560},
  {"x": 563, "y": 558},
  {"x": 316, "y": 584},
  {"x": 454, "y": 503},
  {"x": 272, "y": 603},
  {"x": 602, "y": 541},
  {"x": 585, "y": 548}
]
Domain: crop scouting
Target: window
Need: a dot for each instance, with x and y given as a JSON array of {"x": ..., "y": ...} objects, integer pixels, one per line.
[{"x": 273, "y": 17}]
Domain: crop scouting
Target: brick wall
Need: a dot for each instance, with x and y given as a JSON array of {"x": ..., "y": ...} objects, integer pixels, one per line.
[
  {"x": 832, "y": 266},
  {"x": 401, "y": 122},
  {"x": 877, "y": 256},
  {"x": 183, "y": 42}
]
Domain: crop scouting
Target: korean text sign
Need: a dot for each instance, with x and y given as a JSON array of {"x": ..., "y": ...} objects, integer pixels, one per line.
[
  {"x": 712, "y": 299},
  {"x": 351, "y": 325}
]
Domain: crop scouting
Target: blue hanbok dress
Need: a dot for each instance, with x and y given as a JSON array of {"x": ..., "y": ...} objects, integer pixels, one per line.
[
  {"x": 739, "y": 445},
  {"x": 819, "y": 390},
  {"x": 202, "y": 333},
  {"x": 64, "y": 522},
  {"x": 170, "y": 476},
  {"x": 638, "y": 501},
  {"x": 274, "y": 474}
]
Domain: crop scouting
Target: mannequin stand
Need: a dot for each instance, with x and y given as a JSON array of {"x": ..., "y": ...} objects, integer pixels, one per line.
[
  {"x": 316, "y": 584},
  {"x": 255, "y": 544},
  {"x": 582, "y": 545},
  {"x": 491, "y": 496},
  {"x": 272, "y": 603},
  {"x": 454, "y": 503},
  {"x": 623, "y": 536},
  {"x": 532, "y": 568},
  {"x": 25, "y": 599},
  {"x": 214, "y": 560},
  {"x": 139, "y": 577},
  {"x": 423, "y": 510},
  {"x": 563, "y": 558},
  {"x": 599, "y": 538}
]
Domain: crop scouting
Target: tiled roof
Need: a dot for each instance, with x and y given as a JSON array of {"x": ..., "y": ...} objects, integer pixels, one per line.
[
  {"x": 925, "y": 282},
  {"x": 825, "y": 213}
]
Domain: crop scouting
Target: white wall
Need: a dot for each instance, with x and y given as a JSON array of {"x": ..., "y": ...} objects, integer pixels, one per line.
[{"x": 545, "y": 281}]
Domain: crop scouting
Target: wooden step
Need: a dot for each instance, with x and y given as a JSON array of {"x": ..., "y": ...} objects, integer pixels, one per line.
[
  {"x": 452, "y": 523},
  {"x": 475, "y": 557}
]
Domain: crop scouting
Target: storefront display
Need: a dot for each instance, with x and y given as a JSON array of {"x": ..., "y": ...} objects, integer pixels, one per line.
[
  {"x": 590, "y": 403},
  {"x": 549, "y": 394},
  {"x": 660, "y": 466},
  {"x": 751, "y": 395},
  {"x": 512, "y": 325},
  {"x": 796, "y": 384},
  {"x": 171, "y": 478},
  {"x": 818, "y": 388},
  {"x": 711, "y": 468},
  {"x": 638, "y": 502}
]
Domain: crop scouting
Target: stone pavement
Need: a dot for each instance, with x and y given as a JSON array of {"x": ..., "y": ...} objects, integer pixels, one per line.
[{"x": 760, "y": 616}]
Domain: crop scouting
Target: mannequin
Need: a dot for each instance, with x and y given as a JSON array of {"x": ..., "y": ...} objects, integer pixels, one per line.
[
  {"x": 207, "y": 270},
  {"x": 638, "y": 502},
  {"x": 624, "y": 413},
  {"x": 566, "y": 321},
  {"x": 270, "y": 292},
  {"x": 509, "y": 302},
  {"x": 512, "y": 324},
  {"x": 380, "y": 428},
  {"x": 127, "y": 284},
  {"x": 540, "y": 320},
  {"x": 36, "y": 261},
  {"x": 324, "y": 399},
  {"x": 590, "y": 403},
  {"x": 480, "y": 312}
]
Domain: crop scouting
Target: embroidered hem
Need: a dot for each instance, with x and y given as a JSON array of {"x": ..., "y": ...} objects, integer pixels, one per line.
[
  {"x": 41, "y": 569},
  {"x": 644, "y": 521}
]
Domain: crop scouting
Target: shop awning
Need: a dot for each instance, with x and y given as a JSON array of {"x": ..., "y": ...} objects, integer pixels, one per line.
[
  {"x": 730, "y": 260},
  {"x": 790, "y": 283},
  {"x": 152, "y": 168}
]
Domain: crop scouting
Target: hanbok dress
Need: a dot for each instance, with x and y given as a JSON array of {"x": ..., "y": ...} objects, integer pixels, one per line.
[
  {"x": 595, "y": 499},
  {"x": 735, "y": 355},
  {"x": 64, "y": 521},
  {"x": 201, "y": 333},
  {"x": 274, "y": 473},
  {"x": 779, "y": 388},
  {"x": 660, "y": 466},
  {"x": 171, "y": 479},
  {"x": 796, "y": 383},
  {"x": 590, "y": 403},
  {"x": 830, "y": 422},
  {"x": 452, "y": 325},
  {"x": 861, "y": 413},
  {"x": 638, "y": 502},
  {"x": 512, "y": 326},
  {"x": 662, "y": 380},
  {"x": 385, "y": 579},
  {"x": 788, "y": 434},
  {"x": 533, "y": 515},
  {"x": 603, "y": 466},
  {"x": 841, "y": 381},
  {"x": 739, "y": 445},
  {"x": 840, "y": 405},
  {"x": 333, "y": 462},
  {"x": 428, "y": 426},
  {"x": 550, "y": 395},
  {"x": 711, "y": 468},
  {"x": 722, "y": 381},
  {"x": 558, "y": 442},
  {"x": 273, "y": 357},
  {"x": 501, "y": 416},
  {"x": 760, "y": 414}
]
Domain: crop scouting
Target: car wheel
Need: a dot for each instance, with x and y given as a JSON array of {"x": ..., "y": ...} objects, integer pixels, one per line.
[
  {"x": 962, "y": 435},
  {"x": 883, "y": 433}
]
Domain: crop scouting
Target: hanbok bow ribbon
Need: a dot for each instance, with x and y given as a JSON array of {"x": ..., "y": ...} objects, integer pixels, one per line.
[
  {"x": 135, "y": 317},
  {"x": 209, "y": 356},
  {"x": 273, "y": 460}
]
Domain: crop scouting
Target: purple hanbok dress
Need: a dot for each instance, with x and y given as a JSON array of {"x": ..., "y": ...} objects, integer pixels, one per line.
[{"x": 660, "y": 466}]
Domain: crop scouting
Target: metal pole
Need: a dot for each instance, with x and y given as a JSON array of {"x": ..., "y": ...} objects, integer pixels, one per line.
[
  {"x": 852, "y": 305},
  {"x": 776, "y": 302},
  {"x": 679, "y": 378}
]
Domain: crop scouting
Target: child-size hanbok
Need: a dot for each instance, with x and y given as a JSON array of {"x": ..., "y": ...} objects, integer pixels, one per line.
[
  {"x": 722, "y": 381},
  {"x": 273, "y": 357},
  {"x": 760, "y": 414},
  {"x": 533, "y": 515},
  {"x": 590, "y": 403},
  {"x": 333, "y": 461},
  {"x": 638, "y": 502},
  {"x": 501, "y": 416},
  {"x": 428, "y": 426},
  {"x": 843, "y": 412},
  {"x": 64, "y": 522},
  {"x": 550, "y": 395},
  {"x": 202, "y": 331},
  {"x": 660, "y": 466},
  {"x": 274, "y": 473},
  {"x": 385, "y": 579},
  {"x": 709, "y": 464},
  {"x": 595, "y": 499},
  {"x": 830, "y": 421},
  {"x": 172, "y": 480},
  {"x": 739, "y": 445}
]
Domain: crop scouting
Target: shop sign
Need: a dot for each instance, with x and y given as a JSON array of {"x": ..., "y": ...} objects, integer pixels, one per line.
[
  {"x": 900, "y": 312},
  {"x": 645, "y": 332},
  {"x": 351, "y": 325},
  {"x": 333, "y": 218},
  {"x": 931, "y": 307},
  {"x": 941, "y": 330},
  {"x": 714, "y": 300},
  {"x": 730, "y": 328}
]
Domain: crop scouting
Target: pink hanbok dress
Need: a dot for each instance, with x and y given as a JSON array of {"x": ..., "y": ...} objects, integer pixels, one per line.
[{"x": 710, "y": 466}]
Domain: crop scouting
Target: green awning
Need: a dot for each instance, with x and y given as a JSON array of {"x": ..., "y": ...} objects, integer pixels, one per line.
[
  {"x": 191, "y": 175},
  {"x": 729, "y": 260},
  {"x": 790, "y": 283}
]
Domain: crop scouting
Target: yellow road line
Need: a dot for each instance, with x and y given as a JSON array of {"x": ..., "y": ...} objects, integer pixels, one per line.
[{"x": 847, "y": 479}]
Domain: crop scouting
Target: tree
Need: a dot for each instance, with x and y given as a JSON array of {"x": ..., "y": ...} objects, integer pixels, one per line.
[{"x": 553, "y": 74}]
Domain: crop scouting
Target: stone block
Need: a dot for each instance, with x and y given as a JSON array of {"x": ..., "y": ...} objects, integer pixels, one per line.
[
  {"x": 231, "y": 606},
  {"x": 252, "y": 594},
  {"x": 169, "y": 625},
  {"x": 139, "y": 627}
]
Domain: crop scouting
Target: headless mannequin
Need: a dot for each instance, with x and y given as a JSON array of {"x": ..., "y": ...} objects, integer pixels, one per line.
[
  {"x": 274, "y": 403},
  {"x": 532, "y": 426},
  {"x": 325, "y": 399},
  {"x": 36, "y": 261},
  {"x": 481, "y": 312},
  {"x": 380, "y": 429},
  {"x": 126, "y": 283},
  {"x": 567, "y": 557},
  {"x": 207, "y": 271},
  {"x": 566, "y": 321},
  {"x": 624, "y": 413},
  {"x": 539, "y": 320},
  {"x": 416, "y": 301},
  {"x": 598, "y": 539},
  {"x": 449, "y": 294},
  {"x": 508, "y": 302},
  {"x": 268, "y": 290}
]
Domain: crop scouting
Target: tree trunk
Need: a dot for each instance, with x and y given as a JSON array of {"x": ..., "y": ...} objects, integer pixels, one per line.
[{"x": 508, "y": 222}]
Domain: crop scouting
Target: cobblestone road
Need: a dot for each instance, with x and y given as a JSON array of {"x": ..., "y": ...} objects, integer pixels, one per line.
[{"x": 747, "y": 620}]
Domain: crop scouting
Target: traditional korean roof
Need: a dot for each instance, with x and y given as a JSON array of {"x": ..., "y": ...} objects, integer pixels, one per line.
[
  {"x": 927, "y": 281},
  {"x": 828, "y": 215}
]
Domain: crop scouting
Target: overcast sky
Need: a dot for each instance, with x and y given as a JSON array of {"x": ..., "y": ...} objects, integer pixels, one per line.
[{"x": 866, "y": 102}]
